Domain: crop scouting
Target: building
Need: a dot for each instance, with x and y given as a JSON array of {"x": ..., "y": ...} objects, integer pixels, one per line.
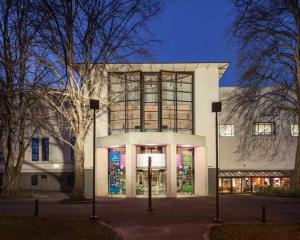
[{"x": 162, "y": 111}]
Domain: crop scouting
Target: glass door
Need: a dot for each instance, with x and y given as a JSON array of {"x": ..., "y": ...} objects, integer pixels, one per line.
[{"x": 159, "y": 182}]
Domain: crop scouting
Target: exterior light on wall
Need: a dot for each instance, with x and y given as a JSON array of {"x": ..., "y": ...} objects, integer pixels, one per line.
[
  {"x": 94, "y": 105},
  {"x": 216, "y": 108}
]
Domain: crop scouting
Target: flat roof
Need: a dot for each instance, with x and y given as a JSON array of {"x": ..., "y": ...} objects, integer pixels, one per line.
[{"x": 169, "y": 66}]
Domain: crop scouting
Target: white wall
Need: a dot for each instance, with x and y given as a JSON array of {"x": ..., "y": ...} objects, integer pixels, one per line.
[{"x": 206, "y": 91}]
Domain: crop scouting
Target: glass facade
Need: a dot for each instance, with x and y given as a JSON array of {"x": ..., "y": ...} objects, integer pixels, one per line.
[
  {"x": 251, "y": 184},
  {"x": 151, "y": 102}
]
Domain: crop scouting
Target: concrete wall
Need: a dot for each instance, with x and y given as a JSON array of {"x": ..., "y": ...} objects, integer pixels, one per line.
[
  {"x": 57, "y": 181},
  {"x": 261, "y": 152}
]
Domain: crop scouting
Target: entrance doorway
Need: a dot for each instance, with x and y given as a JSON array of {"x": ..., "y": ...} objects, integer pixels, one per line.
[
  {"x": 159, "y": 173},
  {"x": 159, "y": 182}
]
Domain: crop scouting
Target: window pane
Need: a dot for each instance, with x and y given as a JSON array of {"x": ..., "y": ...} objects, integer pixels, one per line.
[
  {"x": 34, "y": 180},
  {"x": 183, "y": 96},
  {"x": 45, "y": 149},
  {"x": 35, "y": 149},
  {"x": 294, "y": 130},
  {"x": 226, "y": 130},
  {"x": 264, "y": 128},
  {"x": 168, "y": 95},
  {"x": 184, "y": 78}
]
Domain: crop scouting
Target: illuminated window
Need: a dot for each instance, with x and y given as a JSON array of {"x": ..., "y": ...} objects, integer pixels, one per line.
[
  {"x": 227, "y": 130},
  {"x": 294, "y": 130},
  {"x": 264, "y": 128},
  {"x": 151, "y": 102}
]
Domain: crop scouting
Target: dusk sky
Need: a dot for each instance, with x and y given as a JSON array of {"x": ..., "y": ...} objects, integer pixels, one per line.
[{"x": 195, "y": 30}]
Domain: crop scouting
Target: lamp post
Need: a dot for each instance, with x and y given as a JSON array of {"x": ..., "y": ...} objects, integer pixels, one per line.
[
  {"x": 94, "y": 104},
  {"x": 216, "y": 108}
]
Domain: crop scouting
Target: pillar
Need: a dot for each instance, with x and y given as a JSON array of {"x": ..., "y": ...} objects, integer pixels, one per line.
[
  {"x": 200, "y": 172},
  {"x": 130, "y": 171},
  {"x": 171, "y": 171},
  {"x": 101, "y": 172}
]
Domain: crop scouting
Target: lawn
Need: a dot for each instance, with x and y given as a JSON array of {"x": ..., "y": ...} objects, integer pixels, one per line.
[
  {"x": 36, "y": 228},
  {"x": 256, "y": 232}
]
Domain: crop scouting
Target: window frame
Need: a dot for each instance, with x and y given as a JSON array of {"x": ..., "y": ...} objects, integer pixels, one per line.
[
  {"x": 34, "y": 180},
  {"x": 294, "y": 132},
  {"x": 226, "y": 135},
  {"x": 35, "y": 149},
  {"x": 272, "y": 133},
  {"x": 45, "y": 149}
]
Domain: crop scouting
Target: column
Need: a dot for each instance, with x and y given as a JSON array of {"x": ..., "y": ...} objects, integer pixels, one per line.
[
  {"x": 101, "y": 172},
  {"x": 130, "y": 170},
  {"x": 200, "y": 172},
  {"x": 171, "y": 171}
]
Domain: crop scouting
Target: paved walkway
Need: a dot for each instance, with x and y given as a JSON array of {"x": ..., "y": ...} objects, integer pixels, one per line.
[{"x": 186, "y": 218}]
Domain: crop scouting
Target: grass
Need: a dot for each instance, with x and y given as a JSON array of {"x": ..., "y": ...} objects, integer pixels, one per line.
[
  {"x": 36, "y": 228},
  {"x": 256, "y": 232}
]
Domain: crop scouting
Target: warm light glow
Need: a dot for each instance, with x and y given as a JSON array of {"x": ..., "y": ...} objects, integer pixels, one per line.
[
  {"x": 116, "y": 146},
  {"x": 185, "y": 145},
  {"x": 56, "y": 166}
]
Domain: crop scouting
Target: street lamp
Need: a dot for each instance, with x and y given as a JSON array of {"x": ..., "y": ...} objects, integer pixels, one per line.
[
  {"x": 150, "y": 184},
  {"x": 216, "y": 108},
  {"x": 94, "y": 104}
]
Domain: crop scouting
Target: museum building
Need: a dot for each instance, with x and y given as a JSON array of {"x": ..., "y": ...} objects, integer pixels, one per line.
[{"x": 160, "y": 111}]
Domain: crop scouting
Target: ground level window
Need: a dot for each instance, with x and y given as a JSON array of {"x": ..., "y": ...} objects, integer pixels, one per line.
[
  {"x": 185, "y": 170},
  {"x": 251, "y": 184},
  {"x": 34, "y": 180},
  {"x": 117, "y": 171}
]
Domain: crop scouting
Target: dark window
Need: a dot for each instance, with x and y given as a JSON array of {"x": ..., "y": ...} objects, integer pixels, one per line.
[
  {"x": 1, "y": 180},
  {"x": 45, "y": 149},
  {"x": 70, "y": 180},
  {"x": 35, "y": 146},
  {"x": 34, "y": 180},
  {"x": 264, "y": 128}
]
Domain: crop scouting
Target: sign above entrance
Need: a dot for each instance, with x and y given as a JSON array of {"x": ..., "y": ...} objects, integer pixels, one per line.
[{"x": 158, "y": 160}]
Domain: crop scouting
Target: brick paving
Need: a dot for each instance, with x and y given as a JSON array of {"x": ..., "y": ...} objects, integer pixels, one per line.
[{"x": 180, "y": 218}]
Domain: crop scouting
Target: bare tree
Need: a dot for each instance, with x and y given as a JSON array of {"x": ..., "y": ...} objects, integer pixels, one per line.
[
  {"x": 268, "y": 34},
  {"x": 83, "y": 37},
  {"x": 20, "y": 74}
]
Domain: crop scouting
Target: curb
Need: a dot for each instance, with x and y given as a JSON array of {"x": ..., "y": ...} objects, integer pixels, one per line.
[{"x": 118, "y": 233}]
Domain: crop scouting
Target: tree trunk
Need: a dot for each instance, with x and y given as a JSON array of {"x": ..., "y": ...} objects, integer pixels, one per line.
[
  {"x": 11, "y": 182},
  {"x": 78, "y": 191},
  {"x": 295, "y": 183}
]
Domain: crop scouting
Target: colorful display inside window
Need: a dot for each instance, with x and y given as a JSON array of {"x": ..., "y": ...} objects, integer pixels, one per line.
[
  {"x": 117, "y": 171},
  {"x": 185, "y": 171},
  {"x": 114, "y": 183}
]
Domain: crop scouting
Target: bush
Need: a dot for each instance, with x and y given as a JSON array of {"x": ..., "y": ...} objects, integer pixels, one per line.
[{"x": 277, "y": 191}]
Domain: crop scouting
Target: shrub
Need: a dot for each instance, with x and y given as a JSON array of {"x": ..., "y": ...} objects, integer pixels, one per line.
[{"x": 277, "y": 191}]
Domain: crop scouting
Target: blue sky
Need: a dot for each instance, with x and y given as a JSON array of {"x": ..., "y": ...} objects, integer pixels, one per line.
[{"x": 195, "y": 30}]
